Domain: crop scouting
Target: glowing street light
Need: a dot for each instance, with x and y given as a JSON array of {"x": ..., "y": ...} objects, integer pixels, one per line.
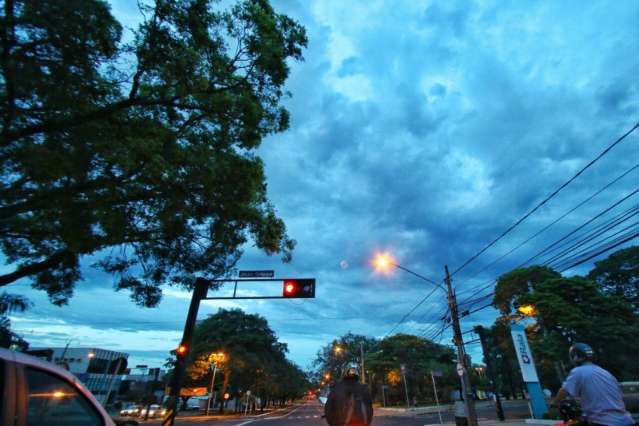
[
  {"x": 384, "y": 262},
  {"x": 527, "y": 310}
]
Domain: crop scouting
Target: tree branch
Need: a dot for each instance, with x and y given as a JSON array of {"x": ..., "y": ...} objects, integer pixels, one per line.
[{"x": 36, "y": 267}]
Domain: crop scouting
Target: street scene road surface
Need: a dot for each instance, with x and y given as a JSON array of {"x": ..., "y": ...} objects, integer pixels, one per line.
[{"x": 310, "y": 413}]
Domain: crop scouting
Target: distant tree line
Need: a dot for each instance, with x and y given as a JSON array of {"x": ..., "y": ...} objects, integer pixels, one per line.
[{"x": 254, "y": 360}]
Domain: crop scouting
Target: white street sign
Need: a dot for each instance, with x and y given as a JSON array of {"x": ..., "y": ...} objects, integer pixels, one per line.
[
  {"x": 460, "y": 369},
  {"x": 524, "y": 355}
]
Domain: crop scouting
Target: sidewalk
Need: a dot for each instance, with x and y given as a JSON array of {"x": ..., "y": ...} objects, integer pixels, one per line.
[{"x": 425, "y": 409}]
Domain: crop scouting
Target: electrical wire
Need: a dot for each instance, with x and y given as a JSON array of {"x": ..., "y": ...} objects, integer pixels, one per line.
[
  {"x": 601, "y": 229},
  {"x": 622, "y": 240},
  {"x": 545, "y": 228},
  {"x": 405, "y": 317},
  {"x": 583, "y": 225},
  {"x": 545, "y": 200}
]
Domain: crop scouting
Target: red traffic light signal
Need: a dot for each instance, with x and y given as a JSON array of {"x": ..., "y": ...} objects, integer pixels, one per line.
[
  {"x": 181, "y": 350},
  {"x": 299, "y": 288}
]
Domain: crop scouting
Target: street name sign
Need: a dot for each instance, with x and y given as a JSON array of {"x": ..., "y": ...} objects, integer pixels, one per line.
[{"x": 257, "y": 274}]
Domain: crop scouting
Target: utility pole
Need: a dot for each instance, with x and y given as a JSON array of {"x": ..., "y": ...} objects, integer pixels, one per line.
[
  {"x": 199, "y": 293},
  {"x": 208, "y": 402},
  {"x": 403, "y": 370},
  {"x": 113, "y": 376},
  {"x": 469, "y": 402},
  {"x": 361, "y": 352},
  {"x": 489, "y": 370}
]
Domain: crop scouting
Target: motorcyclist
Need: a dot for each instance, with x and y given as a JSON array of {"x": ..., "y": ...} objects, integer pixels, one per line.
[
  {"x": 598, "y": 391},
  {"x": 349, "y": 403}
]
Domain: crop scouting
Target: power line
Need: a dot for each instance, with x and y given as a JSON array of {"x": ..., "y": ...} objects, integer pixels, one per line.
[
  {"x": 599, "y": 230},
  {"x": 624, "y": 239},
  {"x": 545, "y": 200},
  {"x": 405, "y": 317},
  {"x": 544, "y": 229},
  {"x": 589, "y": 221}
]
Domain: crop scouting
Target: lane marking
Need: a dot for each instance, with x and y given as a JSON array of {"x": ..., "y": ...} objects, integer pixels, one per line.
[{"x": 270, "y": 418}]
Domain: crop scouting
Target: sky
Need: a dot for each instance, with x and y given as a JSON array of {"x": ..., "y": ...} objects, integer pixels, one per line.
[{"x": 420, "y": 128}]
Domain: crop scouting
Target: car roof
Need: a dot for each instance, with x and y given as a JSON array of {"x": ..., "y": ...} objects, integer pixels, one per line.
[{"x": 31, "y": 361}]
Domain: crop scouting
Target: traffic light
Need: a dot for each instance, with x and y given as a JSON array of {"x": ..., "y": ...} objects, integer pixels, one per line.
[
  {"x": 181, "y": 350},
  {"x": 299, "y": 288}
]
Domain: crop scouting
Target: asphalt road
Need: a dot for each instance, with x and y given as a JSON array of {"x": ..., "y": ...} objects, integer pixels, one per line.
[{"x": 310, "y": 414}]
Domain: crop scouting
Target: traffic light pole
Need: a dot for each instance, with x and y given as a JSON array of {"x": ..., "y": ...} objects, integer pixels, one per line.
[
  {"x": 469, "y": 402},
  {"x": 489, "y": 370},
  {"x": 199, "y": 293}
]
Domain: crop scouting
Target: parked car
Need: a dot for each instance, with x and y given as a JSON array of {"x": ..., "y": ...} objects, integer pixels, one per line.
[
  {"x": 131, "y": 410},
  {"x": 34, "y": 391},
  {"x": 154, "y": 411}
]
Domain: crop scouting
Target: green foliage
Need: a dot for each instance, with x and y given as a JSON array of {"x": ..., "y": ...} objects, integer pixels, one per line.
[
  {"x": 572, "y": 309},
  {"x": 382, "y": 361},
  {"x": 517, "y": 282},
  {"x": 335, "y": 357},
  {"x": 141, "y": 153},
  {"x": 254, "y": 359},
  {"x": 619, "y": 275},
  {"x": 11, "y": 303},
  {"x": 575, "y": 309}
]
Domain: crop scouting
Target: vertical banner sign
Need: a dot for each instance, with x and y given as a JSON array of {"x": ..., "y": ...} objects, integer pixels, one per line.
[
  {"x": 524, "y": 355},
  {"x": 528, "y": 371}
]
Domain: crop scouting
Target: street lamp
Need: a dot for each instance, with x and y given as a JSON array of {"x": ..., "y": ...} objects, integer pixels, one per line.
[
  {"x": 527, "y": 310},
  {"x": 384, "y": 262},
  {"x": 214, "y": 358}
]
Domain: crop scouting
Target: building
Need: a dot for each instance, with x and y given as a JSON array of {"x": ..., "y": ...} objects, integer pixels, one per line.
[{"x": 100, "y": 370}]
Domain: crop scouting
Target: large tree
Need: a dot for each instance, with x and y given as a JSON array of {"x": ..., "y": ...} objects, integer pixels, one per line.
[
  {"x": 619, "y": 274},
  {"x": 383, "y": 360},
  {"x": 253, "y": 359},
  {"x": 140, "y": 153},
  {"x": 567, "y": 310}
]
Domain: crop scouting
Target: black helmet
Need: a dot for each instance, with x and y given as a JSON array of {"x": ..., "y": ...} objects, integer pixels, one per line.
[
  {"x": 352, "y": 371},
  {"x": 580, "y": 353}
]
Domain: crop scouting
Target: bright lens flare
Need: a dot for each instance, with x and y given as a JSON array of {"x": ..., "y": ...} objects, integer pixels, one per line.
[{"x": 383, "y": 262}]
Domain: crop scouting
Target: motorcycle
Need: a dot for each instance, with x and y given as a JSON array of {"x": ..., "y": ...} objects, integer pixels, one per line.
[{"x": 571, "y": 415}]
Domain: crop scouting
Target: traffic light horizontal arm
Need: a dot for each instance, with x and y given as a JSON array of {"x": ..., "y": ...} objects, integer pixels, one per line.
[{"x": 246, "y": 297}]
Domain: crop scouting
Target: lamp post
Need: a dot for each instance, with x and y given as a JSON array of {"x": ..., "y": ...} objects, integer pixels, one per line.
[
  {"x": 383, "y": 262},
  {"x": 213, "y": 359}
]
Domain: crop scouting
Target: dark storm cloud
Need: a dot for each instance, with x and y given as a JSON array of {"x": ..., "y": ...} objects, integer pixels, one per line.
[{"x": 425, "y": 129}]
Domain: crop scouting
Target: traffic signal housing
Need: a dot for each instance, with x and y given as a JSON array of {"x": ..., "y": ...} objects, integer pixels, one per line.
[{"x": 299, "y": 288}]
